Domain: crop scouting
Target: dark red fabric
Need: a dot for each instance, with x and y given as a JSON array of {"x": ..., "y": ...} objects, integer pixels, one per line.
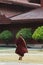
[{"x": 21, "y": 47}]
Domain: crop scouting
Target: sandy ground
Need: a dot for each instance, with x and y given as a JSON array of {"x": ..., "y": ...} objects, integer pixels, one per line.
[{"x": 33, "y": 56}]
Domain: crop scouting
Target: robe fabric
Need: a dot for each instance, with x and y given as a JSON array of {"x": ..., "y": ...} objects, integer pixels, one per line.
[{"x": 21, "y": 47}]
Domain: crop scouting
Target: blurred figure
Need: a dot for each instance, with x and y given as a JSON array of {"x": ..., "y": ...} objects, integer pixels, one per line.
[{"x": 21, "y": 47}]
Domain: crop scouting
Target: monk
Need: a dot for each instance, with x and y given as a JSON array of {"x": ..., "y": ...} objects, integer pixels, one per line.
[{"x": 21, "y": 47}]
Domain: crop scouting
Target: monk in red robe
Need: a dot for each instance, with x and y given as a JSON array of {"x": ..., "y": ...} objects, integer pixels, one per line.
[{"x": 21, "y": 47}]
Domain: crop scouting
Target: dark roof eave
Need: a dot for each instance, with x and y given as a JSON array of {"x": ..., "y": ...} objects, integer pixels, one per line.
[
  {"x": 4, "y": 23},
  {"x": 28, "y": 21},
  {"x": 4, "y": 20},
  {"x": 28, "y": 4}
]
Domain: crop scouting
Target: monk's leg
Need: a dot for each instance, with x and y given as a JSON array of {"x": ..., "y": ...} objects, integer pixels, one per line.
[{"x": 20, "y": 58}]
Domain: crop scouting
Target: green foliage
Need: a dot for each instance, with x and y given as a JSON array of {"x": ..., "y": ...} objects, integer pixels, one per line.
[
  {"x": 38, "y": 33},
  {"x": 6, "y": 35},
  {"x": 25, "y": 32}
]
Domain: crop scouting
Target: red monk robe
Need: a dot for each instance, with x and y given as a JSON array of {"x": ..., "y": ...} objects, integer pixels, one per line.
[{"x": 21, "y": 46}]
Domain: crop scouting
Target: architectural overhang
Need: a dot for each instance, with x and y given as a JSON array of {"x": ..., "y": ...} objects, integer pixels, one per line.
[
  {"x": 32, "y": 16},
  {"x": 21, "y": 2}
]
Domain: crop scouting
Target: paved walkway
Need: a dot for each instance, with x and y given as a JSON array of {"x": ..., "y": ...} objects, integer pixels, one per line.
[
  {"x": 16, "y": 63},
  {"x": 33, "y": 57}
]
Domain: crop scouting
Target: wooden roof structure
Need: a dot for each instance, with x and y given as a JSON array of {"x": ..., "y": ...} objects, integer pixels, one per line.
[
  {"x": 14, "y": 14},
  {"x": 10, "y": 10},
  {"x": 21, "y": 2},
  {"x": 4, "y": 19},
  {"x": 32, "y": 16}
]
